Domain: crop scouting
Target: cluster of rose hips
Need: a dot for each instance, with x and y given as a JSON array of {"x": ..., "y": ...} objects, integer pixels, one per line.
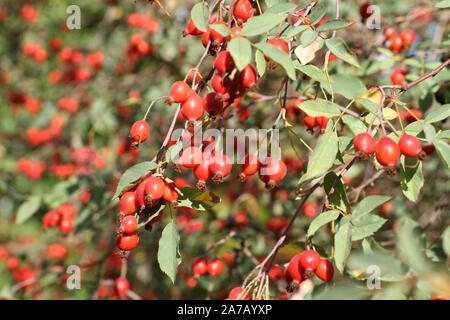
[
  {"x": 304, "y": 265},
  {"x": 399, "y": 41},
  {"x": 19, "y": 273},
  {"x": 39, "y": 136},
  {"x": 143, "y": 21},
  {"x": 33, "y": 169},
  {"x": 147, "y": 195},
  {"x": 56, "y": 251},
  {"x": 295, "y": 111},
  {"x": 387, "y": 151},
  {"x": 36, "y": 51},
  {"x": 62, "y": 216},
  {"x": 201, "y": 265}
]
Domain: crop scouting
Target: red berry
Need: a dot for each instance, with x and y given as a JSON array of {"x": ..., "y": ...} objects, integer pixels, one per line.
[
  {"x": 12, "y": 263},
  {"x": 220, "y": 167},
  {"x": 199, "y": 266},
  {"x": 66, "y": 225},
  {"x": 238, "y": 293},
  {"x": 215, "y": 35},
  {"x": 396, "y": 42},
  {"x": 408, "y": 36},
  {"x": 202, "y": 172},
  {"x": 236, "y": 32},
  {"x": 364, "y": 10},
  {"x": 310, "y": 209},
  {"x": 154, "y": 190},
  {"x": 250, "y": 165},
  {"x": 322, "y": 122},
  {"x": 217, "y": 83},
  {"x": 121, "y": 285},
  {"x": 248, "y": 76},
  {"x": 180, "y": 91},
  {"x": 212, "y": 104},
  {"x": 129, "y": 224},
  {"x": 191, "y": 157},
  {"x": 294, "y": 269},
  {"x": 280, "y": 44},
  {"x": 224, "y": 62},
  {"x": 214, "y": 267},
  {"x": 140, "y": 131},
  {"x": 192, "y": 29},
  {"x": 364, "y": 142},
  {"x": 438, "y": 297},
  {"x": 388, "y": 31},
  {"x": 409, "y": 145},
  {"x": 412, "y": 114},
  {"x": 310, "y": 122},
  {"x": 192, "y": 108},
  {"x": 398, "y": 76},
  {"x": 128, "y": 203},
  {"x": 387, "y": 152},
  {"x": 272, "y": 171},
  {"x": 309, "y": 260},
  {"x": 170, "y": 195},
  {"x": 140, "y": 195},
  {"x": 127, "y": 242},
  {"x": 324, "y": 270}
]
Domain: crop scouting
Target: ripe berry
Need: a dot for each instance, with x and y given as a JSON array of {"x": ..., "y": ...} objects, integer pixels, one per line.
[
  {"x": 170, "y": 195},
  {"x": 127, "y": 242},
  {"x": 412, "y": 115},
  {"x": 322, "y": 123},
  {"x": 140, "y": 195},
  {"x": 364, "y": 142},
  {"x": 398, "y": 76},
  {"x": 294, "y": 269},
  {"x": 139, "y": 131},
  {"x": 238, "y": 293},
  {"x": 408, "y": 37},
  {"x": 324, "y": 270},
  {"x": 248, "y": 77},
  {"x": 154, "y": 190},
  {"x": 213, "y": 104},
  {"x": 438, "y": 297},
  {"x": 388, "y": 31},
  {"x": 236, "y": 32},
  {"x": 191, "y": 157},
  {"x": 310, "y": 122},
  {"x": 364, "y": 10},
  {"x": 66, "y": 225},
  {"x": 217, "y": 36},
  {"x": 217, "y": 83},
  {"x": 179, "y": 92},
  {"x": 121, "y": 285},
  {"x": 396, "y": 42},
  {"x": 387, "y": 152},
  {"x": 214, "y": 267},
  {"x": 310, "y": 209},
  {"x": 220, "y": 167},
  {"x": 272, "y": 171},
  {"x": 202, "y": 172},
  {"x": 224, "y": 62},
  {"x": 409, "y": 145},
  {"x": 129, "y": 224},
  {"x": 250, "y": 166},
  {"x": 243, "y": 10},
  {"x": 199, "y": 266},
  {"x": 192, "y": 29},
  {"x": 280, "y": 44},
  {"x": 192, "y": 108},
  {"x": 128, "y": 203},
  {"x": 309, "y": 260}
]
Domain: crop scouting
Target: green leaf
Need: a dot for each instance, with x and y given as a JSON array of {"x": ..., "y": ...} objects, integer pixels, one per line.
[
  {"x": 347, "y": 85},
  {"x": 414, "y": 128},
  {"x": 281, "y": 8},
  {"x": 342, "y": 245},
  {"x": 323, "y": 156},
  {"x": 321, "y": 220},
  {"x": 411, "y": 243},
  {"x": 367, "y": 104},
  {"x": 261, "y": 24},
  {"x": 60, "y": 193},
  {"x": 365, "y": 226},
  {"x": 308, "y": 37},
  {"x": 339, "y": 48},
  {"x": 446, "y": 241},
  {"x": 443, "y": 4},
  {"x": 320, "y": 108},
  {"x": 311, "y": 71},
  {"x": 332, "y": 25},
  {"x": 196, "y": 199},
  {"x": 28, "y": 209},
  {"x": 439, "y": 114},
  {"x": 278, "y": 56},
  {"x": 241, "y": 51},
  {"x": 261, "y": 64},
  {"x": 222, "y": 29},
  {"x": 339, "y": 197},
  {"x": 368, "y": 204},
  {"x": 444, "y": 135},
  {"x": 411, "y": 178},
  {"x": 443, "y": 150},
  {"x": 293, "y": 31},
  {"x": 132, "y": 174},
  {"x": 199, "y": 15},
  {"x": 168, "y": 253},
  {"x": 318, "y": 12},
  {"x": 355, "y": 125},
  {"x": 430, "y": 132}
]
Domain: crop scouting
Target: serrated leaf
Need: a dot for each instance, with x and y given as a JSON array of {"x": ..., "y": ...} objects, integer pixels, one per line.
[
  {"x": 368, "y": 204},
  {"x": 439, "y": 114},
  {"x": 278, "y": 56},
  {"x": 321, "y": 220},
  {"x": 308, "y": 37},
  {"x": 28, "y": 209},
  {"x": 342, "y": 245},
  {"x": 132, "y": 174},
  {"x": 339, "y": 48},
  {"x": 332, "y": 25},
  {"x": 241, "y": 51},
  {"x": 199, "y": 15},
  {"x": 443, "y": 150},
  {"x": 168, "y": 253},
  {"x": 411, "y": 178},
  {"x": 323, "y": 156},
  {"x": 320, "y": 108},
  {"x": 261, "y": 24},
  {"x": 261, "y": 64},
  {"x": 197, "y": 199}
]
